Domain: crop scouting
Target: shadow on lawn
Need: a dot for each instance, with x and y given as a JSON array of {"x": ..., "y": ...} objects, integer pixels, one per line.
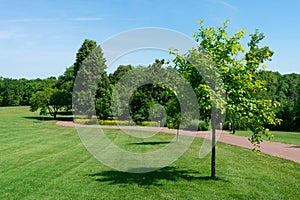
[
  {"x": 149, "y": 143},
  {"x": 150, "y": 178},
  {"x": 294, "y": 146},
  {"x": 51, "y": 118}
]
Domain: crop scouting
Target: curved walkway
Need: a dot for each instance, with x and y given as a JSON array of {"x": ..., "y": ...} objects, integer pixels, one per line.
[{"x": 286, "y": 151}]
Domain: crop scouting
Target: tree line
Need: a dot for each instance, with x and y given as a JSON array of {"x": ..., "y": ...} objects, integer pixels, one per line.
[{"x": 156, "y": 102}]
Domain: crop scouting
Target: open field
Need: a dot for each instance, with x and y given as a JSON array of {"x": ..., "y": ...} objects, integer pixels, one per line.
[
  {"x": 42, "y": 161},
  {"x": 279, "y": 136}
]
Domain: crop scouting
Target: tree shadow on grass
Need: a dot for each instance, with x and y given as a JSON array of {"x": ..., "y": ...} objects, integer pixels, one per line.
[
  {"x": 150, "y": 178},
  {"x": 149, "y": 143},
  {"x": 294, "y": 146},
  {"x": 51, "y": 118}
]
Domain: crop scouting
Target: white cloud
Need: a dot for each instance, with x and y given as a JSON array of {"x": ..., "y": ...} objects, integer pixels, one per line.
[
  {"x": 16, "y": 20},
  {"x": 228, "y": 5},
  {"x": 225, "y": 4},
  {"x": 5, "y": 35}
]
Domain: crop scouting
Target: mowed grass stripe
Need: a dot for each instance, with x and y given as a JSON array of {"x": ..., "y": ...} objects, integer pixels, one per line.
[
  {"x": 65, "y": 170},
  {"x": 17, "y": 143},
  {"x": 279, "y": 136},
  {"x": 30, "y": 157},
  {"x": 42, "y": 170}
]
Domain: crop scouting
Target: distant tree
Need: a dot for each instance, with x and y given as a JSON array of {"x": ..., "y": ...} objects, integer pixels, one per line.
[
  {"x": 89, "y": 67},
  {"x": 30, "y": 87},
  {"x": 120, "y": 96},
  {"x": 147, "y": 95},
  {"x": 288, "y": 97},
  {"x": 103, "y": 98},
  {"x": 117, "y": 74},
  {"x": 144, "y": 100},
  {"x": 12, "y": 92},
  {"x": 49, "y": 101},
  {"x": 66, "y": 82},
  {"x": 297, "y": 109},
  {"x": 68, "y": 77},
  {"x": 2, "y": 89}
]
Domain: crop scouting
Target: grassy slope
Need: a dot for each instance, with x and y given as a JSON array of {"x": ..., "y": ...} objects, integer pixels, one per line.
[
  {"x": 42, "y": 161},
  {"x": 279, "y": 136}
]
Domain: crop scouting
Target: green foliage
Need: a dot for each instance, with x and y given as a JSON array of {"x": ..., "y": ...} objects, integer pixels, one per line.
[
  {"x": 203, "y": 126},
  {"x": 118, "y": 73},
  {"x": 239, "y": 69},
  {"x": 284, "y": 89},
  {"x": 12, "y": 92},
  {"x": 147, "y": 102},
  {"x": 17, "y": 92},
  {"x": 103, "y": 98},
  {"x": 49, "y": 101},
  {"x": 190, "y": 72},
  {"x": 84, "y": 51},
  {"x": 92, "y": 68}
]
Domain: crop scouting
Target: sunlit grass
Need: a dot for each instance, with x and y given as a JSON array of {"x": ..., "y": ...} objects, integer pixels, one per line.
[
  {"x": 279, "y": 136},
  {"x": 40, "y": 160}
]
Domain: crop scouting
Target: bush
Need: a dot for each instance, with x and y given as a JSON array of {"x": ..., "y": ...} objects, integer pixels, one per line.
[
  {"x": 114, "y": 122},
  {"x": 203, "y": 126}
]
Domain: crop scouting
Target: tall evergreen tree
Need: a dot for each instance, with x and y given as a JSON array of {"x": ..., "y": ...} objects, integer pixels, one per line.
[
  {"x": 103, "y": 98},
  {"x": 89, "y": 68},
  {"x": 84, "y": 51}
]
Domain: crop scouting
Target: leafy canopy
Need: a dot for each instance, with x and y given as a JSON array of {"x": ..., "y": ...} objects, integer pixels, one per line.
[{"x": 238, "y": 67}]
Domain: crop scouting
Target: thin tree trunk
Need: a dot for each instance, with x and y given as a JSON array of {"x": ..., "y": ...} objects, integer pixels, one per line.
[
  {"x": 233, "y": 128},
  {"x": 213, "y": 153}
]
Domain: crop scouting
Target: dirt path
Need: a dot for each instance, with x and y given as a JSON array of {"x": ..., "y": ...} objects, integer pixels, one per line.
[{"x": 287, "y": 151}]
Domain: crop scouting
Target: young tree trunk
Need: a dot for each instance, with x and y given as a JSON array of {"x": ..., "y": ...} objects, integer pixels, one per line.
[
  {"x": 213, "y": 153},
  {"x": 213, "y": 143}
]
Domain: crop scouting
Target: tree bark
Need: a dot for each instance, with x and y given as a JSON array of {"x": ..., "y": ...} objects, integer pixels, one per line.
[
  {"x": 213, "y": 143},
  {"x": 213, "y": 153},
  {"x": 233, "y": 128}
]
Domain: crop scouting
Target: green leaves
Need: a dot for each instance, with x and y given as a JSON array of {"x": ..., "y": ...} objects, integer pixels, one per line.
[
  {"x": 238, "y": 69},
  {"x": 49, "y": 101},
  {"x": 90, "y": 72}
]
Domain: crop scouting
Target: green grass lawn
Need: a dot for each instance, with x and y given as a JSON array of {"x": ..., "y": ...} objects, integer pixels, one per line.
[
  {"x": 279, "y": 136},
  {"x": 40, "y": 160}
]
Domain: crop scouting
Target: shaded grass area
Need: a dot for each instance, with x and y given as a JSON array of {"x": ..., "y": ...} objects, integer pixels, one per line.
[
  {"x": 42, "y": 161},
  {"x": 279, "y": 136}
]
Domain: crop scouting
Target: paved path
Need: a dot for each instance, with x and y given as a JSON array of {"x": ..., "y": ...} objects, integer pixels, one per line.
[{"x": 287, "y": 151}]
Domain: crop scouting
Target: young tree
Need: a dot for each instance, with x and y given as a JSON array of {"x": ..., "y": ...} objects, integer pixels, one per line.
[{"x": 238, "y": 68}]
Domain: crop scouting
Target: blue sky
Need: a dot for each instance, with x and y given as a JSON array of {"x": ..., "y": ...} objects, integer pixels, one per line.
[{"x": 39, "y": 38}]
